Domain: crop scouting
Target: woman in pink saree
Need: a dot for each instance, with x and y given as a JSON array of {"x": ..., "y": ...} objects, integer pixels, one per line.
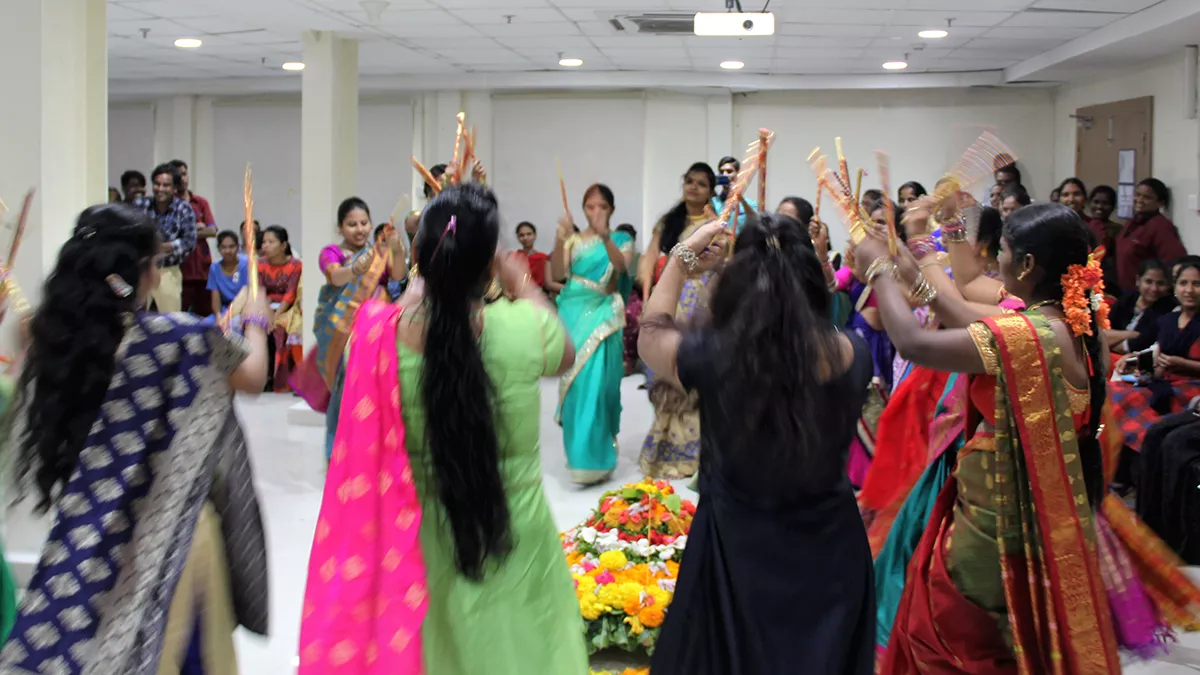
[{"x": 436, "y": 551}]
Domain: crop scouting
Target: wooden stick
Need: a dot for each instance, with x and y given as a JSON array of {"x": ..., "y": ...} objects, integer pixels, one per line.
[
  {"x": 248, "y": 231},
  {"x": 429, "y": 179},
  {"x": 458, "y": 139},
  {"x": 858, "y": 187},
  {"x": 22, "y": 221},
  {"x": 763, "y": 140},
  {"x": 562, "y": 187},
  {"x": 843, "y": 167},
  {"x": 881, "y": 158}
]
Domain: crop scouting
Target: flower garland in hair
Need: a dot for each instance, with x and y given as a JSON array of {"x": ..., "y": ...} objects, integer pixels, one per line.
[{"x": 1083, "y": 294}]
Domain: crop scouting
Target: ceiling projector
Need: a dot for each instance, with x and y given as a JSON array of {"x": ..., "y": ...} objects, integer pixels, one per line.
[{"x": 735, "y": 24}]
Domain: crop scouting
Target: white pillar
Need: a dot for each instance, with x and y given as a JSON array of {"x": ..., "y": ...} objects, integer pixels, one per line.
[
  {"x": 54, "y": 70},
  {"x": 202, "y": 171},
  {"x": 720, "y": 127},
  {"x": 329, "y": 150},
  {"x": 174, "y": 129}
]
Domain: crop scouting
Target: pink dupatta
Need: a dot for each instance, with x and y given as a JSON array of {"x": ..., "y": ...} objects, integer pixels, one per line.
[{"x": 366, "y": 595}]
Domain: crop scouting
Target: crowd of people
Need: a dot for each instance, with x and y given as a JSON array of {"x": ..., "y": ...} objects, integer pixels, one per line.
[{"x": 911, "y": 450}]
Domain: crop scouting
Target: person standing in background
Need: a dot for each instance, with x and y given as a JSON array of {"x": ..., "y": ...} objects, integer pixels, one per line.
[
  {"x": 727, "y": 172},
  {"x": 133, "y": 184},
  {"x": 176, "y": 228},
  {"x": 1149, "y": 234},
  {"x": 1102, "y": 203},
  {"x": 196, "y": 299},
  {"x": 535, "y": 260}
]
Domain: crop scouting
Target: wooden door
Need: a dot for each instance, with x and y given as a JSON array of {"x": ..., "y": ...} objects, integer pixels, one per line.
[{"x": 1103, "y": 131}]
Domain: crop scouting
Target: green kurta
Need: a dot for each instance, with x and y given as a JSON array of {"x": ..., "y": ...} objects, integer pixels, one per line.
[{"x": 523, "y": 617}]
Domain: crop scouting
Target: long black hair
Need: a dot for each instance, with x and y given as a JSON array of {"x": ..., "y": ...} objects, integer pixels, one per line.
[
  {"x": 991, "y": 225},
  {"x": 455, "y": 388},
  {"x": 770, "y": 309},
  {"x": 675, "y": 220},
  {"x": 1057, "y": 238},
  {"x": 75, "y": 335},
  {"x": 803, "y": 208},
  {"x": 918, "y": 190}
]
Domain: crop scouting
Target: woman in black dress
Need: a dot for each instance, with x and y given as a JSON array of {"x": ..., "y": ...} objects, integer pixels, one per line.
[{"x": 777, "y": 576}]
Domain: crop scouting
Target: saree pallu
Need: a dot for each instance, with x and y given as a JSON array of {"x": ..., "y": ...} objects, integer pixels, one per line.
[
  {"x": 366, "y": 597},
  {"x": 1041, "y": 579},
  {"x": 633, "y": 311},
  {"x": 862, "y": 448},
  {"x": 165, "y": 445},
  {"x": 672, "y": 447},
  {"x": 589, "y": 394}
]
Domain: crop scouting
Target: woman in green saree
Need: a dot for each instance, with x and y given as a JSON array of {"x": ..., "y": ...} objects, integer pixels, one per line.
[{"x": 593, "y": 262}]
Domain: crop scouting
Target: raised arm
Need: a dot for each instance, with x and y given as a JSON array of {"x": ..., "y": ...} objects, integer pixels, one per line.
[{"x": 558, "y": 257}]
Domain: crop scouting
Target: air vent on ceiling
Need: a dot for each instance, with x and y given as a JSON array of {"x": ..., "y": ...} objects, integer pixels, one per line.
[{"x": 656, "y": 23}]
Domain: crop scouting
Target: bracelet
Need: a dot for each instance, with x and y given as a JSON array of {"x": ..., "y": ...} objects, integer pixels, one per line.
[
  {"x": 881, "y": 265},
  {"x": 922, "y": 246},
  {"x": 256, "y": 320},
  {"x": 954, "y": 233},
  {"x": 686, "y": 256},
  {"x": 923, "y": 292}
]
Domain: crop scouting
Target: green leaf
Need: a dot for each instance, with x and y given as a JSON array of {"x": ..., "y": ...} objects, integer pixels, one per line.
[
  {"x": 674, "y": 503},
  {"x": 631, "y": 494}
]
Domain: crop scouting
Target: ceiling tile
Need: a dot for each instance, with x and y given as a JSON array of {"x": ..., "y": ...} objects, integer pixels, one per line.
[
  {"x": 823, "y": 53},
  {"x": 1031, "y": 46},
  {"x": 1030, "y": 33},
  {"x": 1063, "y": 19},
  {"x": 956, "y": 32},
  {"x": 830, "y": 30},
  {"x": 485, "y": 4},
  {"x": 937, "y": 19},
  {"x": 431, "y": 17},
  {"x": 564, "y": 28},
  {"x": 816, "y": 42},
  {"x": 1120, "y": 6},
  {"x": 501, "y": 15},
  {"x": 572, "y": 42},
  {"x": 169, "y": 9}
]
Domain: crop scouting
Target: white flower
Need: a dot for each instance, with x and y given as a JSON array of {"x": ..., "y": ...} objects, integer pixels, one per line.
[
  {"x": 641, "y": 548},
  {"x": 667, "y": 585},
  {"x": 1096, "y": 300},
  {"x": 681, "y": 542},
  {"x": 668, "y": 552},
  {"x": 608, "y": 541},
  {"x": 657, "y": 567},
  {"x": 588, "y": 534}
]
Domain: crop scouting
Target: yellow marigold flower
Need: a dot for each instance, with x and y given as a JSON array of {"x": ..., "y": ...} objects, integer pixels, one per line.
[
  {"x": 661, "y": 597},
  {"x": 586, "y": 586},
  {"x": 610, "y": 595},
  {"x": 635, "y": 625},
  {"x": 613, "y": 560},
  {"x": 651, "y": 617},
  {"x": 590, "y": 609}
]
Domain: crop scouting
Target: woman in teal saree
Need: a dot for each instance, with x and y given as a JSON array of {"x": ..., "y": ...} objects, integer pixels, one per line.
[{"x": 591, "y": 306}]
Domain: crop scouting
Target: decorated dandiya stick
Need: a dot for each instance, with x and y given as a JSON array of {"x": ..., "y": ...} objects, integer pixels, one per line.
[
  {"x": 248, "y": 230},
  {"x": 9, "y": 286},
  {"x": 562, "y": 187},
  {"x": 22, "y": 220},
  {"x": 843, "y": 167},
  {"x": 858, "y": 186},
  {"x": 458, "y": 139},
  {"x": 884, "y": 163},
  {"x": 763, "y": 142},
  {"x": 432, "y": 182}
]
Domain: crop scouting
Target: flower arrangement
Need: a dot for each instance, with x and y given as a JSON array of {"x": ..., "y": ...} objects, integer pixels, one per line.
[
  {"x": 625, "y": 560},
  {"x": 627, "y": 671},
  {"x": 1083, "y": 293}
]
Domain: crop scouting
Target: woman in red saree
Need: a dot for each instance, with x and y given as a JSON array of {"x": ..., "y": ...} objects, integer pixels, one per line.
[{"x": 1006, "y": 577}]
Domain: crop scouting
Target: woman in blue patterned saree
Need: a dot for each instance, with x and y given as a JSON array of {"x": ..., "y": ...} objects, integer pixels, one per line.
[
  {"x": 593, "y": 263},
  {"x": 124, "y": 427},
  {"x": 354, "y": 273}
]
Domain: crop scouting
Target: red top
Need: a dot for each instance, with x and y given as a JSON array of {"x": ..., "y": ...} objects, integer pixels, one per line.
[
  {"x": 1144, "y": 237},
  {"x": 537, "y": 266},
  {"x": 197, "y": 263}
]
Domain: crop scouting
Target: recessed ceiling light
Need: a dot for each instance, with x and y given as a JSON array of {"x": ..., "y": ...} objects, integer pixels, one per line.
[
  {"x": 732, "y": 65},
  {"x": 895, "y": 65},
  {"x": 570, "y": 63},
  {"x": 293, "y": 65},
  {"x": 935, "y": 34},
  {"x": 188, "y": 43}
]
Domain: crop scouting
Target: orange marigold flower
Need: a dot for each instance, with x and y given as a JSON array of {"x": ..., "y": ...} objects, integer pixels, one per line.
[{"x": 652, "y": 616}]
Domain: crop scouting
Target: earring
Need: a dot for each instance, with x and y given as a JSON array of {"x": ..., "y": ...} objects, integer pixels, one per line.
[
  {"x": 119, "y": 286},
  {"x": 1024, "y": 273}
]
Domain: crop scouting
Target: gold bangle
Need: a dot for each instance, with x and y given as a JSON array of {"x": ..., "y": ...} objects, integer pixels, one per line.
[{"x": 880, "y": 265}]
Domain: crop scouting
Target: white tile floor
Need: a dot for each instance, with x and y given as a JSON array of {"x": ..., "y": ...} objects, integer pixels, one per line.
[{"x": 289, "y": 467}]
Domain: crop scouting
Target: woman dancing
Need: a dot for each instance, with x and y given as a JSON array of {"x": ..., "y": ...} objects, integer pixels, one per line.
[
  {"x": 347, "y": 285},
  {"x": 780, "y": 389},
  {"x": 672, "y": 448},
  {"x": 591, "y": 306},
  {"x": 1012, "y": 534},
  {"x": 434, "y": 513},
  {"x": 125, "y": 427}
]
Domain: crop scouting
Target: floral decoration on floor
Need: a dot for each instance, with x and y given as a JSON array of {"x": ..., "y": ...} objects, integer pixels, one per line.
[
  {"x": 625, "y": 559},
  {"x": 627, "y": 671}
]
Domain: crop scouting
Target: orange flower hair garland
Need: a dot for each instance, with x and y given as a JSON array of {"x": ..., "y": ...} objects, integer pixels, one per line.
[{"x": 1083, "y": 294}]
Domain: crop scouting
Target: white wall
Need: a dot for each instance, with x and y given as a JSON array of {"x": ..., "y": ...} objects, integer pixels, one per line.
[
  {"x": 1176, "y": 139},
  {"x": 924, "y": 132},
  {"x": 599, "y": 139},
  {"x": 130, "y": 140}
]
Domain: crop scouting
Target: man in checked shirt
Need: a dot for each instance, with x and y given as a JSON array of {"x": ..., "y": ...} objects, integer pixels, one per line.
[{"x": 177, "y": 229}]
